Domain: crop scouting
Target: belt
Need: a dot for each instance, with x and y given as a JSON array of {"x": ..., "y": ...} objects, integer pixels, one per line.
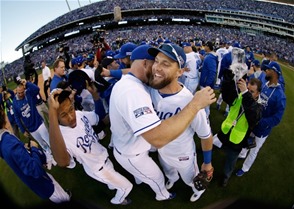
[
  {"x": 103, "y": 164},
  {"x": 124, "y": 154}
]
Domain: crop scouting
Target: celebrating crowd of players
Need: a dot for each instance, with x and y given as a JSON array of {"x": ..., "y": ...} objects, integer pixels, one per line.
[{"x": 154, "y": 96}]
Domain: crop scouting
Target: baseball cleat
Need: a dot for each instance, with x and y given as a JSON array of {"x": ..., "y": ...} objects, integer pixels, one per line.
[
  {"x": 196, "y": 195},
  {"x": 169, "y": 184},
  {"x": 240, "y": 173}
]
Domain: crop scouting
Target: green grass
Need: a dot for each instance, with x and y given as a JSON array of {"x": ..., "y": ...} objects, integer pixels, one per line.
[{"x": 269, "y": 183}]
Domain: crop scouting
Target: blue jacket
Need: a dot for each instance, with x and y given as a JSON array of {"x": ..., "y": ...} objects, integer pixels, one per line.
[
  {"x": 273, "y": 100},
  {"x": 27, "y": 166},
  {"x": 25, "y": 109},
  {"x": 208, "y": 71},
  {"x": 249, "y": 56}
]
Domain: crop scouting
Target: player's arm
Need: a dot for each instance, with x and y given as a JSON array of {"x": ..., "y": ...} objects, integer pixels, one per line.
[
  {"x": 57, "y": 144},
  {"x": 206, "y": 145},
  {"x": 172, "y": 127}
]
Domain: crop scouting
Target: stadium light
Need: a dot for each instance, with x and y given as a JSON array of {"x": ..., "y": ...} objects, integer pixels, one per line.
[{"x": 68, "y": 5}]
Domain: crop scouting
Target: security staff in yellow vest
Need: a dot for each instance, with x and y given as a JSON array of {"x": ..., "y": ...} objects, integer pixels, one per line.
[{"x": 244, "y": 114}]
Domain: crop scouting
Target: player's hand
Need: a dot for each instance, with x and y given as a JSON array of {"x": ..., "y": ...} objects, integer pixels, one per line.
[
  {"x": 242, "y": 85},
  {"x": 26, "y": 134},
  {"x": 53, "y": 103},
  {"x": 33, "y": 144},
  {"x": 204, "y": 97}
]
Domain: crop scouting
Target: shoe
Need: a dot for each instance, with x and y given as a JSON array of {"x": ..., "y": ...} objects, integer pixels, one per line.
[
  {"x": 68, "y": 192},
  {"x": 240, "y": 173},
  {"x": 126, "y": 201},
  {"x": 218, "y": 107},
  {"x": 196, "y": 195},
  {"x": 172, "y": 196},
  {"x": 169, "y": 184},
  {"x": 225, "y": 182}
]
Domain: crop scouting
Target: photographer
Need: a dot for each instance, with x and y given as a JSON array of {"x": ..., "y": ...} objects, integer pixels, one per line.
[
  {"x": 64, "y": 54},
  {"x": 100, "y": 46},
  {"x": 29, "y": 69},
  {"x": 244, "y": 114},
  {"x": 6, "y": 101}
]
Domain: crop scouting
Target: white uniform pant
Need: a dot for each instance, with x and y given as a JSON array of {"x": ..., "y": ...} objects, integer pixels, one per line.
[
  {"x": 187, "y": 169},
  {"x": 44, "y": 112},
  {"x": 144, "y": 169},
  {"x": 114, "y": 180},
  {"x": 59, "y": 195},
  {"x": 253, "y": 153},
  {"x": 41, "y": 135}
]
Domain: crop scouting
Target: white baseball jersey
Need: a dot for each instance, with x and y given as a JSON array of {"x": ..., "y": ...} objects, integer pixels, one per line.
[
  {"x": 193, "y": 63},
  {"x": 82, "y": 143},
  {"x": 131, "y": 114},
  {"x": 180, "y": 154}
]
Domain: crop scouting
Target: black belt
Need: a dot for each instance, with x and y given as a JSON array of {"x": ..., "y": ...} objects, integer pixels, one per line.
[
  {"x": 103, "y": 164},
  {"x": 123, "y": 154}
]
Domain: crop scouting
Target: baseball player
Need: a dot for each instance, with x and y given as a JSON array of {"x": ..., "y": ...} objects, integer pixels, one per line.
[
  {"x": 72, "y": 137},
  {"x": 136, "y": 127},
  {"x": 190, "y": 77},
  {"x": 169, "y": 97},
  {"x": 26, "y": 161}
]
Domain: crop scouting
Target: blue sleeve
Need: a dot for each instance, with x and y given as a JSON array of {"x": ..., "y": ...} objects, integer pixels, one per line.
[
  {"x": 211, "y": 73},
  {"x": 99, "y": 109},
  {"x": 28, "y": 163},
  {"x": 11, "y": 92},
  {"x": 116, "y": 73},
  {"x": 17, "y": 116},
  {"x": 32, "y": 89}
]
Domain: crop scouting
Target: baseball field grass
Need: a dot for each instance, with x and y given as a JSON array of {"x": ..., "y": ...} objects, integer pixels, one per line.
[{"x": 269, "y": 183}]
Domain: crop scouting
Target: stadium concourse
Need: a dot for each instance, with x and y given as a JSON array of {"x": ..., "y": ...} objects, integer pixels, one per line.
[{"x": 198, "y": 29}]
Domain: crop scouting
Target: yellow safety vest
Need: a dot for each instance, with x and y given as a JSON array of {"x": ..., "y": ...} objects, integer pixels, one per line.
[{"x": 236, "y": 122}]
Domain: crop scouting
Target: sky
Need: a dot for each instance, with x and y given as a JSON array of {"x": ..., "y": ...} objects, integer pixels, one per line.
[{"x": 20, "y": 18}]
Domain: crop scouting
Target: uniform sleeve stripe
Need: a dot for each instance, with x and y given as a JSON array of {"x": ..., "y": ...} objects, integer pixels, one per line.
[
  {"x": 204, "y": 137},
  {"x": 146, "y": 127}
]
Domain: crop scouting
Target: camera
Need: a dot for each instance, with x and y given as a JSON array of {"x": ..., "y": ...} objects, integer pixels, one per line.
[{"x": 98, "y": 38}]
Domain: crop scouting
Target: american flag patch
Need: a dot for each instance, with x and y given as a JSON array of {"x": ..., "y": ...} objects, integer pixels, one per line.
[{"x": 142, "y": 111}]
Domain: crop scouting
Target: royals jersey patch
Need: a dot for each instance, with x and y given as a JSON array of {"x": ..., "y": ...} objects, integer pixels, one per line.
[{"x": 142, "y": 111}]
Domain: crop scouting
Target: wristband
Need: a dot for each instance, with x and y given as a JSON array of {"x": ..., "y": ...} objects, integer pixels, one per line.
[{"x": 207, "y": 156}]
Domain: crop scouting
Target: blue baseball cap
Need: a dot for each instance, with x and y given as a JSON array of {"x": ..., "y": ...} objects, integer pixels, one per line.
[
  {"x": 80, "y": 59},
  {"x": 236, "y": 44},
  {"x": 256, "y": 63},
  {"x": 274, "y": 66},
  {"x": 141, "y": 52},
  {"x": 110, "y": 53},
  {"x": 198, "y": 44},
  {"x": 125, "y": 50},
  {"x": 73, "y": 61},
  {"x": 184, "y": 44},
  {"x": 90, "y": 57},
  {"x": 173, "y": 51}
]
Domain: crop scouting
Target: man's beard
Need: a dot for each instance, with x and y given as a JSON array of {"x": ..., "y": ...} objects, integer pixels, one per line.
[{"x": 159, "y": 85}]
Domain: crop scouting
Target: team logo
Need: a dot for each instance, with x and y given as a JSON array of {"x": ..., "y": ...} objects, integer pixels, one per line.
[{"x": 142, "y": 111}]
